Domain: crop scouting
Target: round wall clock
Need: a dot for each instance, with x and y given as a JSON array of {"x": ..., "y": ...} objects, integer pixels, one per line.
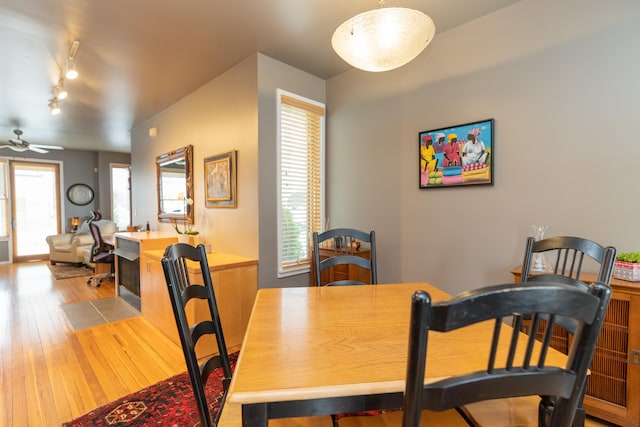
[{"x": 80, "y": 194}]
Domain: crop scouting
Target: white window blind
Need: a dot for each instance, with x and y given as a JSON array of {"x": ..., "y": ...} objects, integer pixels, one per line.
[{"x": 301, "y": 135}]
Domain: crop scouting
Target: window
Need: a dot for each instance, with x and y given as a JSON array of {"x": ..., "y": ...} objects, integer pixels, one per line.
[
  {"x": 121, "y": 195},
  {"x": 4, "y": 200},
  {"x": 300, "y": 181}
]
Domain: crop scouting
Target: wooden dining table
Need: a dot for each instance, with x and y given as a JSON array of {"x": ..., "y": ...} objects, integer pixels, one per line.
[{"x": 328, "y": 350}]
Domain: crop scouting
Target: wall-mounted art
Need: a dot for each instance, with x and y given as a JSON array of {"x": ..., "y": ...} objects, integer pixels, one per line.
[
  {"x": 457, "y": 155},
  {"x": 220, "y": 180},
  {"x": 80, "y": 194}
]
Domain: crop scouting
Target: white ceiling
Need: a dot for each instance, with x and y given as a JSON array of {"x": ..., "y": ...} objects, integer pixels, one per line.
[{"x": 137, "y": 57}]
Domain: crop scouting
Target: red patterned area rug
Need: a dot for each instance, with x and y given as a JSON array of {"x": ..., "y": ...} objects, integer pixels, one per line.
[{"x": 167, "y": 403}]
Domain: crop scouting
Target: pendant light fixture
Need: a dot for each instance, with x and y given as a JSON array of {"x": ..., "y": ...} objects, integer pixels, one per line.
[{"x": 383, "y": 39}]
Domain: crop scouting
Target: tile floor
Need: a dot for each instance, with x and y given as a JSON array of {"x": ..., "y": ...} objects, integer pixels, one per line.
[{"x": 86, "y": 314}]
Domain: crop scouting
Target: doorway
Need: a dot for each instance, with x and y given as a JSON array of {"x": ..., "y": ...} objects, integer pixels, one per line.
[{"x": 35, "y": 207}]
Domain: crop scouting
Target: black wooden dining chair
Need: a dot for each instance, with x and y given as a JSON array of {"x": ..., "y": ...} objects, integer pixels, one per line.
[
  {"x": 568, "y": 255},
  {"x": 181, "y": 291},
  {"x": 344, "y": 244},
  {"x": 524, "y": 370}
]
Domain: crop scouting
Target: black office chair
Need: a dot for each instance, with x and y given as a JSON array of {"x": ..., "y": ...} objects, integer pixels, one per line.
[
  {"x": 101, "y": 252},
  {"x": 181, "y": 291},
  {"x": 524, "y": 373},
  {"x": 344, "y": 243}
]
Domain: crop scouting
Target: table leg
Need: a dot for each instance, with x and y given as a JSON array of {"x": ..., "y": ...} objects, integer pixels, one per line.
[{"x": 255, "y": 415}]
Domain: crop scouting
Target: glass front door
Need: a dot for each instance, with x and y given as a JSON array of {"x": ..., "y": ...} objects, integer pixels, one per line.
[{"x": 35, "y": 208}]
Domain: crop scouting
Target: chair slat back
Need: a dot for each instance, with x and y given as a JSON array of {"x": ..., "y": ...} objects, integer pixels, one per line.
[
  {"x": 344, "y": 244},
  {"x": 175, "y": 264},
  {"x": 568, "y": 255},
  {"x": 524, "y": 370}
]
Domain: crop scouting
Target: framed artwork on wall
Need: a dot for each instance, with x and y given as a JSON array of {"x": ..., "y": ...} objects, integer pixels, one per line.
[
  {"x": 220, "y": 180},
  {"x": 80, "y": 194},
  {"x": 457, "y": 155}
]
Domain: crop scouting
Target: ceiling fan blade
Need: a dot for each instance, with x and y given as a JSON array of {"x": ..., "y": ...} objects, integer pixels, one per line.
[
  {"x": 48, "y": 147},
  {"x": 37, "y": 149}
]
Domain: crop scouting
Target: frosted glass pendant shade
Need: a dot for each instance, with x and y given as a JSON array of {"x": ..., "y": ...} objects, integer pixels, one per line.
[{"x": 383, "y": 39}]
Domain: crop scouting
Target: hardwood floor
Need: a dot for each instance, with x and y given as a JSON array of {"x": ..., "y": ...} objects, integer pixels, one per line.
[{"x": 49, "y": 373}]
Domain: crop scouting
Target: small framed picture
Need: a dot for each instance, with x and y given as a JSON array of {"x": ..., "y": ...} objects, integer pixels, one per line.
[
  {"x": 220, "y": 179},
  {"x": 456, "y": 156}
]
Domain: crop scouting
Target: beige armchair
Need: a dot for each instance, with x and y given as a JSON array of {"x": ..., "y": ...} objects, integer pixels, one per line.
[{"x": 71, "y": 247}]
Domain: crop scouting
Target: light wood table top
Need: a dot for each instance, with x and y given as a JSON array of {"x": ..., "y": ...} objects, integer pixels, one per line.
[
  {"x": 325, "y": 342},
  {"x": 217, "y": 260}
]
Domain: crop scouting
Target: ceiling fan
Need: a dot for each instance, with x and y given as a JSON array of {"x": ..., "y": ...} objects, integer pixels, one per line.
[{"x": 19, "y": 144}]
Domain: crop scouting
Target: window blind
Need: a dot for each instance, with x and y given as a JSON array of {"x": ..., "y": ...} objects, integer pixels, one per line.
[{"x": 301, "y": 134}]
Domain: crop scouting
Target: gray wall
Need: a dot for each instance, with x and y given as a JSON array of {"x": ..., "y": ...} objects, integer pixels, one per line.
[
  {"x": 560, "y": 79},
  {"x": 273, "y": 75},
  {"x": 237, "y": 110},
  {"x": 87, "y": 167},
  {"x": 219, "y": 117},
  {"x": 557, "y": 77}
]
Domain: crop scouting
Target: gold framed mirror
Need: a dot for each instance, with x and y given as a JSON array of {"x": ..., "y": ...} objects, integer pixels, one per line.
[{"x": 175, "y": 185}]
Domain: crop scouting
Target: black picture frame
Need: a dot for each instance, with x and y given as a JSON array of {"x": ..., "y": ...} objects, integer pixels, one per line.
[
  {"x": 80, "y": 194},
  {"x": 457, "y": 156}
]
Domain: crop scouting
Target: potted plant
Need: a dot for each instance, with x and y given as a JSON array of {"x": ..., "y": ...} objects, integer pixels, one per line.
[
  {"x": 186, "y": 235},
  {"x": 627, "y": 266}
]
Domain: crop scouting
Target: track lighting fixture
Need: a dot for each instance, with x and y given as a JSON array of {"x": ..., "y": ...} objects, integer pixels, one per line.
[{"x": 67, "y": 72}]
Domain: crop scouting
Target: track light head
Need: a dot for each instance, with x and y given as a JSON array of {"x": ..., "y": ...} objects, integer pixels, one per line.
[
  {"x": 59, "y": 91},
  {"x": 54, "y": 107},
  {"x": 71, "y": 72}
]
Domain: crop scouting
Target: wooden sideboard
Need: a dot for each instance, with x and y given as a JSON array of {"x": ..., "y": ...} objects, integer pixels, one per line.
[
  {"x": 235, "y": 282},
  {"x": 341, "y": 272},
  {"x": 613, "y": 390}
]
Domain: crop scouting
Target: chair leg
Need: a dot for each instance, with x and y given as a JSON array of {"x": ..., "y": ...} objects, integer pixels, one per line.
[
  {"x": 580, "y": 417},
  {"x": 581, "y": 414},
  {"x": 465, "y": 416},
  {"x": 545, "y": 411}
]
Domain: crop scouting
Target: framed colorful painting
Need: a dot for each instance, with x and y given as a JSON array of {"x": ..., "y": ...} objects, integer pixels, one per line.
[
  {"x": 456, "y": 155},
  {"x": 220, "y": 179}
]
